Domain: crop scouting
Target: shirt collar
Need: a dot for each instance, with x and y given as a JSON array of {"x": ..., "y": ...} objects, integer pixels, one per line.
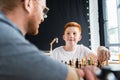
[{"x": 4, "y": 19}]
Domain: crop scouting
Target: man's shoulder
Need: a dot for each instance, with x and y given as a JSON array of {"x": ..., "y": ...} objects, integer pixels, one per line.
[{"x": 7, "y": 27}]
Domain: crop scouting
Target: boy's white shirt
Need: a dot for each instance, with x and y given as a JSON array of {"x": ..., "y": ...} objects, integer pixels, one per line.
[{"x": 65, "y": 56}]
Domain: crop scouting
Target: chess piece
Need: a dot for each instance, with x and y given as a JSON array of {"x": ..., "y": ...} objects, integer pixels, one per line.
[
  {"x": 73, "y": 63},
  {"x": 70, "y": 62},
  {"x": 79, "y": 63},
  {"x": 88, "y": 61},
  {"x": 76, "y": 63},
  {"x": 99, "y": 65},
  {"x": 65, "y": 62}
]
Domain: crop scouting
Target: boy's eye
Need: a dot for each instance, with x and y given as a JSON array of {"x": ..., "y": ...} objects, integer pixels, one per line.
[
  {"x": 74, "y": 33},
  {"x": 68, "y": 33}
]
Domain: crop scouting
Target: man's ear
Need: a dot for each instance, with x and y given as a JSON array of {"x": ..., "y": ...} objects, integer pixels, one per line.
[{"x": 28, "y": 5}]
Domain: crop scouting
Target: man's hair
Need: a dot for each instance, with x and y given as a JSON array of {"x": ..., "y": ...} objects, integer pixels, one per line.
[
  {"x": 9, "y": 4},
  {"x": 72, "y": 24}
]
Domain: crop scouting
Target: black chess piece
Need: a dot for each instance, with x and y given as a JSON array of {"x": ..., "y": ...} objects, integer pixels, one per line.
[
  {"x": 65, "y": 62},
  {"x": 99, "y": 65},
  {"x": 88, "y": 61},
  {"x": 80, "y": 65},
  {"x": 76, "y": 63},
  {"x": 70, "y": 62}
]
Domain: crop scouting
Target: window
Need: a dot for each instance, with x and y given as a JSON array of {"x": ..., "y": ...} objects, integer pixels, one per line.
[{"x": 111, "y": 11}]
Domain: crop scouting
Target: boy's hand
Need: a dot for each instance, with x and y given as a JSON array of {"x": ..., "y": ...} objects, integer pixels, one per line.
[{"x": 103, "y": 54}]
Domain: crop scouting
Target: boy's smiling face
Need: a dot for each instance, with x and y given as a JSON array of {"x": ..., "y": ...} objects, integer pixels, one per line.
[{"x": 72, "y": 35}]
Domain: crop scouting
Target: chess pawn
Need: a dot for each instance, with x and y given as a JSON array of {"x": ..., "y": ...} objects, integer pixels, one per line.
[
  {"x": 79, "y": 63},
  {"x": 99, "y": 64},
  {"x": 88, "y": 61},
  {"x": 65, "y": 62},
  {"x": 91, "y": 61},
  {"x": 70, "y": 62},
  {"x": 85, "y": 62},
  {"x": 76, "y": 63},
  {"x": 82, "y": 62},
  {"x": 73, "y": 63}
]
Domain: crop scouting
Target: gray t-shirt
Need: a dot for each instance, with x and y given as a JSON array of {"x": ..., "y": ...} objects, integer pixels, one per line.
[{"x": 21, "y": 60}]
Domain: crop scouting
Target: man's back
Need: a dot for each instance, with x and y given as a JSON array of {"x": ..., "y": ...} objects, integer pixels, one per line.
[{"x": 21, "y": 60}]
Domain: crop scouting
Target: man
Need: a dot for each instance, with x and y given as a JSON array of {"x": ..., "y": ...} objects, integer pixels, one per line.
[{"x": 21, "y": 60}]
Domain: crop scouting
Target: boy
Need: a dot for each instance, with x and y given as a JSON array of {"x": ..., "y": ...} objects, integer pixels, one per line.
[{"x": 72, "y": 51}]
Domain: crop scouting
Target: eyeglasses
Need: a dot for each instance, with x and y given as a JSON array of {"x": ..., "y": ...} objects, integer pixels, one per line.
[{"x": 45, "y": 11}]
